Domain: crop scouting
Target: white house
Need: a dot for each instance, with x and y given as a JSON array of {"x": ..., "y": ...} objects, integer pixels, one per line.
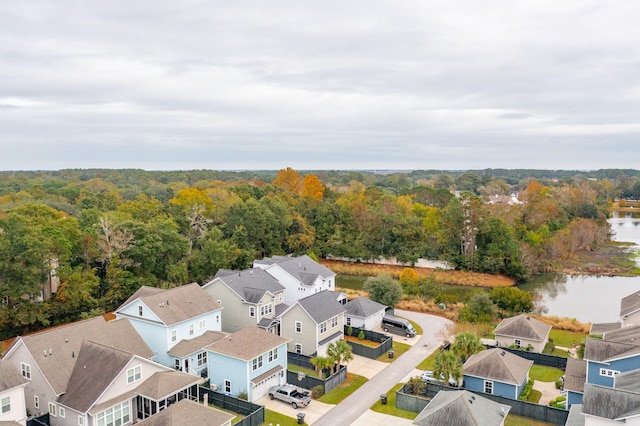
[
  {"x": 12, "y": 404},
  {"x": 364, "y": 313}
]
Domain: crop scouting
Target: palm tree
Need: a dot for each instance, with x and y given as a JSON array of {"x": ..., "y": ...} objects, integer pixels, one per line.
[
  {"x": 320, "y": 363},
  {"x": 466, "y": 344},
  {"x": 447, "y": 366},
  {"x": 339, "y": 352}
]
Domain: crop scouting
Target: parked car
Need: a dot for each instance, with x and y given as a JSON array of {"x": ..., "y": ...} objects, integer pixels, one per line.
[
  {"x": 427, "y": 376},
  {"x": 398, "y": 326},
  {"x": 291, "y": 395}
]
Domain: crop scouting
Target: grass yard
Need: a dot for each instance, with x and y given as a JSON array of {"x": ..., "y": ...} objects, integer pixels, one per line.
[
  {"x": 552, "y": 350},
  {"x": 299, "y": 369},
  {"x": 397, "y": 348},
  {"x": 566, "y": 338},
  {"x": 427, "y": 363},
  {"x": 275, "y": 418},
  {"x": 390, "y": 407},
  {"x": 512, "y": 420},
  {"x": 534, "y": 396},
  {"x": 339, "y": 393},
  {"x": 542, "y": 373}
]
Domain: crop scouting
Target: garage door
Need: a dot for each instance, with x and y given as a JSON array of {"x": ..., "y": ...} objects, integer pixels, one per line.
[{"x": 261, "y": 388}]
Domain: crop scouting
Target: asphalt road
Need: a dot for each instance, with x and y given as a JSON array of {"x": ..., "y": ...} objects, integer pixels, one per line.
[{"x": 349, "y": 410}]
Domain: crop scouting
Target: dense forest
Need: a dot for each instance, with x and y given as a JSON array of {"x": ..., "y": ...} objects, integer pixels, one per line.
[{"x": 104, "y": 233}]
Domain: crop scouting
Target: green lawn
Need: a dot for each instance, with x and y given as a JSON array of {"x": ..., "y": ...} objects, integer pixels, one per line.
[
  {"x": 534, "y": 396},
  {"x": 542, "y": 373},
  {"x": 566, "y": 338},
  {"x": 339, "y": 393},
  {"x": 512, "y": 420},
  {"x": 427, "y": 363},
  {"x": 397, "y": 348},
  {"x": 390, "y": 407},
  {"x": 275, "y": 418},
  {"x": 299, "y": 369}
]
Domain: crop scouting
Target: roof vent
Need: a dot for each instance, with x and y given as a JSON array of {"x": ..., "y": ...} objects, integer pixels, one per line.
[
  {"x": 502, "y": 353},
  {"x": 167, "y": 302},
  {"x": 470, "y": 402},
  {"x": 50, "y": 351},
  {"x": 45, "y": 353},
  {"x": 66, "y": 340}
]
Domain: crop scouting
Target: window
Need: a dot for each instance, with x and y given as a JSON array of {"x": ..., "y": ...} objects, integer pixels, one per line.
[
  {"x": 488, "y": 386},
  {"x": 608, "y": 373},
  {"x": 174, "y": 335},
  {"x": 5, "y": 405},
  {"x": 192, "y": 329},
  {"x": 348, "y": 320},
  {"x": 61, "y": 412},
  {"x": 334, "y": 322},
  {"x": 270, "y": 356},
  {"x": 323, "y": 327},
  {"x": 134, "y": 374},
  {"x": 202, "y": 324},
  {"x": 140, "y": 310},
  {"x": 227, "y": 386},
  {"x": 266, "y": 309},
  {"x": 113, "y": 416},
  {"x": 52, "y": 409},
  {"x": 298, "y": 327},
  {"x": 36, "y": 401},
  {"x": 517, "y": 343},
  {"x": 202, "y": 359},
  {"x": 252, "y": 311},
  {"x": 280, "y": 297},
  {"x": 256, "y": 363},
  {"x": 298, "y": 348},
  {"x": 176, "y": 363},
  {"x": 80, "y": 421},
  {"x": 26, "y": 370}
]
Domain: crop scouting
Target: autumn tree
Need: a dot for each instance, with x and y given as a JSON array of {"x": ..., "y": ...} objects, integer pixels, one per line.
[
  {"x": 383, "y": 289},
  {"x": 289, "y": 180},
  {"x": 312, "y": 187}
]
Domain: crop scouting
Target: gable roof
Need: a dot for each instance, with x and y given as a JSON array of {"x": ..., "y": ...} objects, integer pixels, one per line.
[
  {"x": 629, "y": 304},
  {"x": 363, "y": 307},
  {"x": 608, "y": 403},
  {"x": 461, "y": 408},
  {"x": 321, "y": 306},
  {"x": 250, "y": 285},
  {"x": 629, "y": 381},
  {"x": 96, "y": 369},
  {"x": 603, "y": 327},
  {"x": 247, "y": 343},
  {"x": 187, "y": 412},
  {"x": 303, "y": 268},
  {"x": 190, "y": 346},
  {"x": 163, "y": 384},
  {"x": 176, "y": 304},
  {"x": 575, "y": 375},
  {"x": 630, "y": 335},
  {"x": 605, "y": 351},
  {"x": 62, "y": 346},
  {"x": 10, "y": 377},
  {"x": 523, "y": 326},
  {"x": 498, "y": 364}
]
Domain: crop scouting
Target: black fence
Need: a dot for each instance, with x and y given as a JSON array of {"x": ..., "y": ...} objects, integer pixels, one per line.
[
  {"x": 386, "y": 342},
  {"x": 254, "y": 413},
  {"x": 538, "y": 412},
  {"x": 43, "y": 420},
  {"x": 309, "y": 382},
  {"x": 539, "y": 359},
  {"x": 299, "y": 359}
]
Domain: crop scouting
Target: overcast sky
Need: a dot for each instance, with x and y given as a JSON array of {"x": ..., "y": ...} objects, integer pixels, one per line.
[{"x": 164, "y": 85}]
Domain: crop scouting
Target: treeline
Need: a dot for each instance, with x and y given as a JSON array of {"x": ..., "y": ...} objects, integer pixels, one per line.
[{"x": 104, "y": 233}]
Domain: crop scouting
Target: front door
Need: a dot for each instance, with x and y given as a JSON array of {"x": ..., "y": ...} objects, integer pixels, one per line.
[{"x": 186, "y": 365}]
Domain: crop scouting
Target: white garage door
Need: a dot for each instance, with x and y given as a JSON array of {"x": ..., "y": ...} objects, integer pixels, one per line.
[{"x": 262, "y": 388}]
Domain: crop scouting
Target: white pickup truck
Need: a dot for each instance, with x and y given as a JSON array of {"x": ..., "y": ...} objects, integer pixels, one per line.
[{"x": 291, "y": 395}]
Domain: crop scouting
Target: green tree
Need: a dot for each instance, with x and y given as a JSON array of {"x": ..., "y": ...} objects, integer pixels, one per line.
[
  {"x": 447, "y": 365},
  {"x": 340, "y": 352},
  {"x": 465, "y": 345},
  {"x": 322, "y": 363},
  {"x": 512, "y": 299},
  {"x": 383, "y": 289},
  {"x": 479, "y": 308}
]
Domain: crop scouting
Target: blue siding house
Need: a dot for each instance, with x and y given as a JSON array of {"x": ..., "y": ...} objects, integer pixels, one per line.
[
  {"x": 164, "y": 318},
  {"x": 249, "y": 361},
  {"x": 575, "y": 376},
  {"x": 497, "y": 372},
  {"x": 607, "y": 358}
]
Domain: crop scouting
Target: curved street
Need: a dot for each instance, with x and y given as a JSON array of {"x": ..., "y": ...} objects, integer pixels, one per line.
[{"x": 349, "y": 410}]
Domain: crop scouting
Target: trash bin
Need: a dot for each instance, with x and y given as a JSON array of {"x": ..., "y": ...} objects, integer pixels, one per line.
[
  {"x": 383, "y": 399},
  {"x": 300, "y": 418},
  {"x": 390, "y": 354}
]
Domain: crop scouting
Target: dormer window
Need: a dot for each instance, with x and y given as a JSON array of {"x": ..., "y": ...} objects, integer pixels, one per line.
[{"x": 140, "y": 310}]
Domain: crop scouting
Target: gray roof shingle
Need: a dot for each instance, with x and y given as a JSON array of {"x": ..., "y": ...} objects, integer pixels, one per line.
[
  {"x": 10, "y": 377},
  {"x": 630, "y": 335},
  {"x": 604, "y": 351},
  {"x": 630, "y": 304},
  {"x": 610, "y": 403},
  {"x": 187, "y": 412},
  {"x": 461, "y": 408},
  {"x": 575, "y": 417},
  {"x": 498, "y": 364},
  {"x": 303, "y": 268},
  {"x": 247, "y": 343},
  {"x": 575, "y": 375},
  {"x": 603, "y": 327},
  {"x": 629, "y": 381},
  {"x": 323, "y": 305},
  {"x": 250, "y": 284},
  {"x": 523, "y": 326},
  {"x": 363, "y": 307}
]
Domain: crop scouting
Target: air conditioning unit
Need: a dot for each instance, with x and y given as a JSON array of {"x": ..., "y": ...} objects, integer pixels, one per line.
[{"x": 213, "y": 387}]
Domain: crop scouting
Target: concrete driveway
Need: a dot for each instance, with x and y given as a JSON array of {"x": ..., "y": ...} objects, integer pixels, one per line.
[
  {"x": 365, "y": 366},
  {"x": 312, "y": 413}
]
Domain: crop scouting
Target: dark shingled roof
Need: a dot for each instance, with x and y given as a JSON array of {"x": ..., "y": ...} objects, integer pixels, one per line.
[
  {"x": 363, "y": 307},
  {"x": 610, "y": 403},
  {"x": 323, "y": 305},
  {"x": 65, "y": 342},
  {"x": 176, "y": 304},
  {"x": 10, "y": 377},
  {"x": 191, "y": 346},
  {"x": 603, "y": 327},
  {"x": 630, "y": 335},
  {"x": 523, "y": 326},
  {"x": 303, "y": 268},
  {"x": 247, "y": 343},
  {"x": 630, "y": 304},
  {"x": 250, "y": 284},
  {"x": 575, "y": 375},
  {"x": 604, "y": 351},
  {"x": 187, "y": 412},
  {"x": 497, "y": 364},
  {"x": 461, "y": 408},
  {"x": 163, "y": 384},
  {"x": 629, "y": 381}
]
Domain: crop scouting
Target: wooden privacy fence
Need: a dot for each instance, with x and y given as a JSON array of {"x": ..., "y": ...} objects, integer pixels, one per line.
[
  {"x": 540, "y": 359},
  {"x": 309, "y": 382},
  {"x": 386, "y": 343},
  {"x": 254, "y": 413}
]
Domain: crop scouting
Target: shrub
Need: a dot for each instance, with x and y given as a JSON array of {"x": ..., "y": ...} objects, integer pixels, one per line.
[
  {"x": 243, "y": 396},
  {"x": 350, "y": 331},
  {"x": 559, "y": 383},
  {"x": 361, "y": 335},
  {"x": 317, "y": 391},
  {"x": 526, "y": 391}
]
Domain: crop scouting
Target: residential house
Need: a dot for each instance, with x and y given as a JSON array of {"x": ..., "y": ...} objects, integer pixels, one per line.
[
  {"x": 522, "y": 332},
  {"x": 497, "y": 372},
  {"x": 47, "y": 358},
  {"x": 187, "y": 412},
  {"x": 12, "y": 405},
  {"x": 312, "y": 323},
  {"x": 610, "y": 406},
  {"x": 605, "y": 359},
  {"x": 462, "y": 408},
  {"x": 109, "y": 387},
  {"x": 630, "y": 309},
  {"x": 165, "y": 317},
  {"x": 251, "y": 297},
  {"x": 301, "y": 276},
  {"x": 249, "y": 361},
  {"x": 190, "y": 352},
  {"x": 575, "y": 377},
  {"x": 364, "y": 313}
]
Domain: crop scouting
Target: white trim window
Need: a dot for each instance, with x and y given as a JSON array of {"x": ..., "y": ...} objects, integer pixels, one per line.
[
  {"x": 298, "y": 348},
  {"x": 517, "y": 343},
  {"x": 348, "y": 321},
  {"x": 62, "y": 412},
  {"x": 252, "y": 311},
  {"x": 488, "y": 386},
  {"x": 177, "y": 363},
  {"x": 323, "y": 327},
  {"x": 140, "y": 311},
  {"x": 202, "y": 359},
  {"x": 334, "y": 322},
  {"x": 266, "y": 309},
  {"x": 5, "y": 404},
  {"x": 26, "y": 370},
  {"x": 273, "y": 355},
  {"x": 134, "y": 374},
  {"x": 52, "y": 409},
  {"x": 298, "y": 326},
  {"x": 80, "y": 421},
  {"x": 608, "y": 373},
  {"x": 114, "y": 416},
  {"x": 202, "y": 324},
  {"x": 227, "y": 386},
  {"x": 192, "y": 329},
  {"x": 36, "y": 401},
  {"x": 256, "y": 363},
  {"x": 174, "y": 335}
]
